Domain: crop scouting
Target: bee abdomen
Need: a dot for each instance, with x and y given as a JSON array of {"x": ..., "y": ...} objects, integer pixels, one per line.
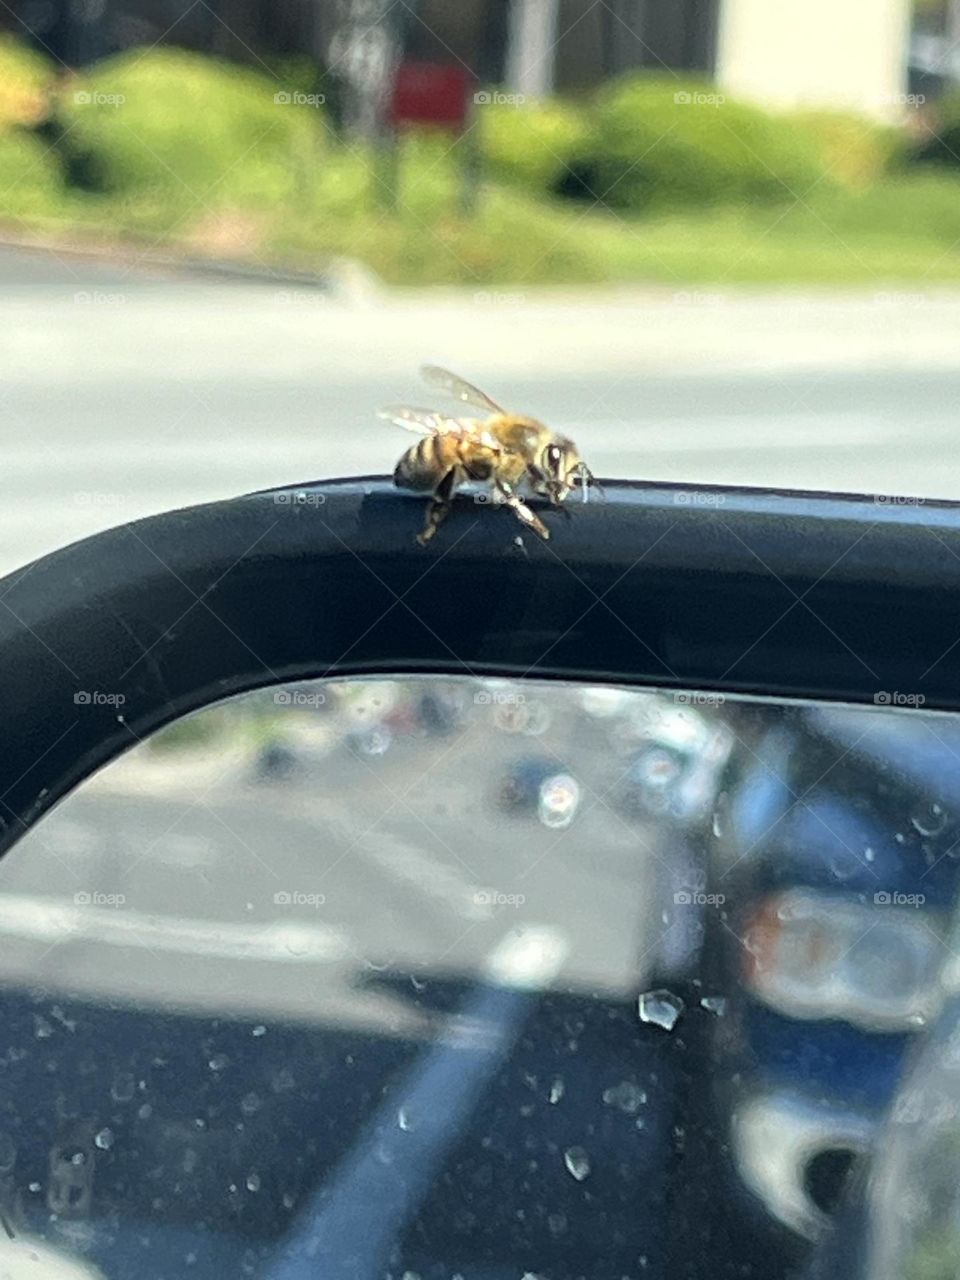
[{"x": 423, "y": 466}]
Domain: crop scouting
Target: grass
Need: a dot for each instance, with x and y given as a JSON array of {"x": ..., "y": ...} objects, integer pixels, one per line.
[{"x": 905, "y": 231}]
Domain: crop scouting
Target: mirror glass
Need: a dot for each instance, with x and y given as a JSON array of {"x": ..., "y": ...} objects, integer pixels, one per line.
[{"x": 419, "y": 979}]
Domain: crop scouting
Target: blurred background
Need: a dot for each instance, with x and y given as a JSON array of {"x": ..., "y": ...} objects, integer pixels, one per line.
[{"x": 714, "y": 241}]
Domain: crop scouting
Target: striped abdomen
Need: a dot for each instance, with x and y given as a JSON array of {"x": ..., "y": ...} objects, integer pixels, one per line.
[{"x": 425, "y": 464}]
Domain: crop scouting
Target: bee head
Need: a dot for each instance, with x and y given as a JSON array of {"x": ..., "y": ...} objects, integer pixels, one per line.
[{"x": 562, "y": 468}]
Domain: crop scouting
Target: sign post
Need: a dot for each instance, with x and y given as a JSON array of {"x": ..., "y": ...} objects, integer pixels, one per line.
[{"x": 439, "y": 94}]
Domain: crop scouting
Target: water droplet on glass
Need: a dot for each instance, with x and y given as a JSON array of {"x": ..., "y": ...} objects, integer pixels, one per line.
[
  {"x": 288, "y": 1200},
  {"x": 869, "y": 854},
  {"x": 253, "y": 1182},
  {"x": 714, "y": 1004},
  {"x": 556, "y": 1090},
  {"x": 577, "y": 1162},
  {"x": 662, "y": 1008},
  {"x": 843, "y": 864},
  {"x": 219, "y": 1062},
  {"x": 34, "y": 1187},
  {"x": 626, "y": 1097},
  {"x": 929, "y": 820},
  {"x": 42, "y": 1028},
  {"x": 899, "y": 837},
  {"x": 403, "y": 1120},
  {"x": 557, "y": 1224},
  {"x": 251, "y": 1104},
  {"x": 123, "y": 1088},
  {"x": 259, "y": 1031},
  {"x": 104, "y": 1139}
]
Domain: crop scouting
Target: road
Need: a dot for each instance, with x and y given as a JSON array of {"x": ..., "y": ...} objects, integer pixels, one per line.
[
  {"x": 126, "y": 390},
  {"x": 167, "y": 875}
]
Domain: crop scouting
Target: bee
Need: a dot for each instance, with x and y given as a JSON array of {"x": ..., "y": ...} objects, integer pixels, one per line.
[{"x": 505, "y": 450}]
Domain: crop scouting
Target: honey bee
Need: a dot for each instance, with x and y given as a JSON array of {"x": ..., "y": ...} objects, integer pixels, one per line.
[{"x": 505, "y": 450}]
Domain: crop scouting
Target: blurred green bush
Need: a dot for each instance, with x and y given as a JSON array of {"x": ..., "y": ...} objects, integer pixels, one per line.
[
  {"x": 659, "y": 141},
  {"x": 31, "y": 179},
  {"x": 532, "y": 144},
  {"x": 26, "y": 82},
  {"x": 854, "y": 152},
  {"x": 196, "y": 130}
]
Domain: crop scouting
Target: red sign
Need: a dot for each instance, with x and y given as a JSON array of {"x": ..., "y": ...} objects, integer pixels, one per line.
[{"x": 431, "y": 93}]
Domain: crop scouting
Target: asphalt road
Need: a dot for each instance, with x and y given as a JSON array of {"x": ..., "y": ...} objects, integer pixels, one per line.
[
  {"x": 196, "y": 882},
  {"x": 127, "y": 390}
]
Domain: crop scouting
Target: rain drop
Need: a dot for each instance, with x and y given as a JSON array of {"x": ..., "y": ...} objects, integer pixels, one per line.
[
  {"x": 556, "y": 1090},
  {"x": 714, "y": 1004},
  {"x": 929, "y": 820},
  {"x": 259, "y": 1031},
  {"x": 403, "y": 1120},
  {"x": 662, "y": 1008},
  {"x": 577, "y": 1162},
  {"x": 123, "y": 1088},
  {"x": 104, "y": 1139},
  {"x": 253, "y": 1182},
  {"x": 219, "y": 1062},
  {"x": 626, "y": 1097}
]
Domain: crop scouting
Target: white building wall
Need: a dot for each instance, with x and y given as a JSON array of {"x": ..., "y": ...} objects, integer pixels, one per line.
[{"x": 849, "y": 54}]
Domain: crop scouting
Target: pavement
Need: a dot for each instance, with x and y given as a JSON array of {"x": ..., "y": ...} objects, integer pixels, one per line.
[{"x": 127, "y": 389}]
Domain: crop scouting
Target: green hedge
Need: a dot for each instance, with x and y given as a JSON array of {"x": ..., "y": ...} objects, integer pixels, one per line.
[
  {"x": 26, "y": 80},
  {"x": 534, "y": 145},
  {"x": 31, "y": 181},
  {"x": 855, "y": 152},
  {"x": 190, "y": 127},
  {"x": 660, "y": 141}
]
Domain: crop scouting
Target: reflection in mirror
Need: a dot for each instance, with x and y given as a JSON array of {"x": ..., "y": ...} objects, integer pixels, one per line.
[{"x": 445, "y": 977}]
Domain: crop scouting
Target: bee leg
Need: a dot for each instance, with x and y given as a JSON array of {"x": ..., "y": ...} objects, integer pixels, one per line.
[
  {"x": 522, "y": 511},
  {"x": 439, "y": 505}
]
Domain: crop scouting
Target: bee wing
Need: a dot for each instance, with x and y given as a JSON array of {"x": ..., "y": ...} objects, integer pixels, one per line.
[
  {"x": 461, "y": 390},
  {"x": 428, "y": 422}
]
